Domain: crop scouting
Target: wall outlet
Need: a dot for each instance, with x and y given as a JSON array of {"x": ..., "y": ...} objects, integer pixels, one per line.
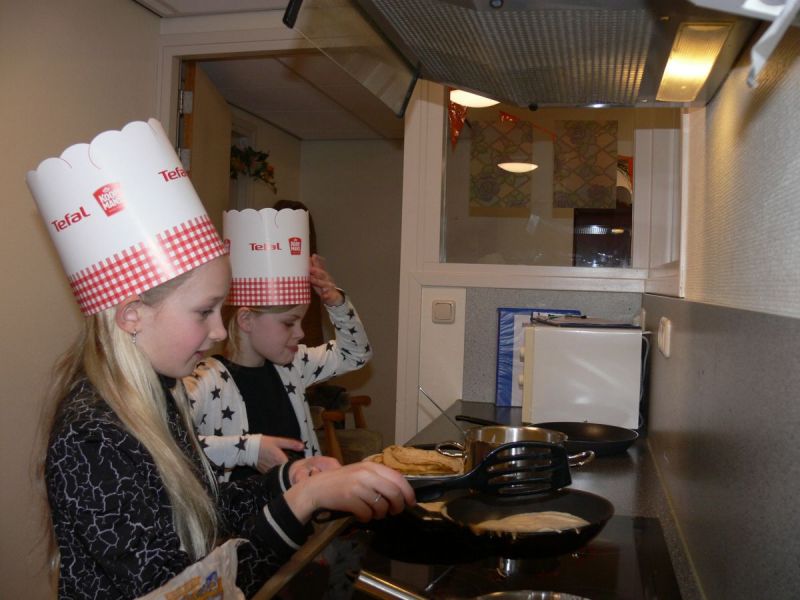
[{"x": 664, "y": 336}]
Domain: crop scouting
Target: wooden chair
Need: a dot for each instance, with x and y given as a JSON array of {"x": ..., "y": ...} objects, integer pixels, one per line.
[{"x": 347, "y": 445}]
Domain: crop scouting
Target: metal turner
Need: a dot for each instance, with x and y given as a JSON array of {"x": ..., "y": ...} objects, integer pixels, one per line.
[{"x": 512, "y": 469}]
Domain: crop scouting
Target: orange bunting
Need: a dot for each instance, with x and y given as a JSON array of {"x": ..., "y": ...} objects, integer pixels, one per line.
[
  {"x": 507, "y": 118},
  {"x": 457, "y": 114}
]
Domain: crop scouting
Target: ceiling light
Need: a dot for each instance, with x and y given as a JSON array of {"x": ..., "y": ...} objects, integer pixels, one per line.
[
  {"x": 517, "y": 167},
  {"x": 694, "y": 52},
  {"x": 471, "y": 100}
]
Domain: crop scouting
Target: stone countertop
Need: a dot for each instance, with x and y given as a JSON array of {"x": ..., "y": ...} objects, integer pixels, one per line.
[{"x": 629, "y": 480}]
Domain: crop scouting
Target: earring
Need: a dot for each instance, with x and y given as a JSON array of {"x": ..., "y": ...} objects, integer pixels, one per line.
[{"x": 133, "y": 337}]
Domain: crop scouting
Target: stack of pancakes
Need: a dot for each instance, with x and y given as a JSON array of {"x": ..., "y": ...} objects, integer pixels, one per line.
[{"x": 413, "y": 461}]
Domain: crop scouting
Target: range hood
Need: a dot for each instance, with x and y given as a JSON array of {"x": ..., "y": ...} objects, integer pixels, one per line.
[{"x": 541, "y": 53}]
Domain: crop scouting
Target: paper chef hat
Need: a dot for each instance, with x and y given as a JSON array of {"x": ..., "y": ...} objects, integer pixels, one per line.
[
  {"x": 269, "y": 256},
  {"x": 123, "y": 215}
]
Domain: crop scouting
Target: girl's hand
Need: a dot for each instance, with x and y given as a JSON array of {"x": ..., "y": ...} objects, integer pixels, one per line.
[
  {"x": 306, "y": 467},
  {"x": 367, "y": 490},
  {"x": 271, "y": 451},
  {"x": 322, "y": 282}
]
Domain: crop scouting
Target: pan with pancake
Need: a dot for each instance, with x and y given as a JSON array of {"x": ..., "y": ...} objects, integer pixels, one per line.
[{"x": 470, "y": 511}]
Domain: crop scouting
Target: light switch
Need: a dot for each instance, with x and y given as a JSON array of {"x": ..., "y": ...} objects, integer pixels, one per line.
[
  {"x": 665, "y": 336},
  {"x": 444, "y": 311}
]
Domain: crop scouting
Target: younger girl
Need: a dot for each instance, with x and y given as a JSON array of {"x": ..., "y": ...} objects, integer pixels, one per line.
[
  {"x": 258, "y": 388},
  {"x": 132, "y": 499}
]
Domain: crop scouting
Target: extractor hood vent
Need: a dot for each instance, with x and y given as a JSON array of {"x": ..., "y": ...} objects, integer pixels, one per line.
[{"x": 550, "y": 53}]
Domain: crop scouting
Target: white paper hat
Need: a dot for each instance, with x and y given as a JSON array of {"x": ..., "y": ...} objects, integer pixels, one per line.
[
  {"x": 269, "y": 256},
  {"x": 123, "y": 215}
]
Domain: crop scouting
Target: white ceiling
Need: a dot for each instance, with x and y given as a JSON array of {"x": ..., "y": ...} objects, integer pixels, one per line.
[{"x": 305, "y": 94}]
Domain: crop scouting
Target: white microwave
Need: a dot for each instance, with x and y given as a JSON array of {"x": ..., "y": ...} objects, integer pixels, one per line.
[{"x": 587, "y": 374}]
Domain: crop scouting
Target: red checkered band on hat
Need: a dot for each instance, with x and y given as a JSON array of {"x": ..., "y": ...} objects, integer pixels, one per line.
[
  {"x": 272, "y": 291},
  {"x": 146, "y": 265}
]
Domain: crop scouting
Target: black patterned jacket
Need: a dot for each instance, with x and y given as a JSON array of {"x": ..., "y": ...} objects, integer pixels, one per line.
[{"x": 112, "y": 516}]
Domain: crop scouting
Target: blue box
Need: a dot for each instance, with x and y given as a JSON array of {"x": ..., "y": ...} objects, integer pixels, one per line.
[{"x": 509, "y": 340}]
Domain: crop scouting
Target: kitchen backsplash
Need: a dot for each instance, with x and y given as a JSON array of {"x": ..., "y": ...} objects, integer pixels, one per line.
[
  {"x": 480, "y": 336},
  {"x": 724, "y": 427}
]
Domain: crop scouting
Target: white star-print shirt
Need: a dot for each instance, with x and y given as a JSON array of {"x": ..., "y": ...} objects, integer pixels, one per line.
[{"x": 219, "y": 412}]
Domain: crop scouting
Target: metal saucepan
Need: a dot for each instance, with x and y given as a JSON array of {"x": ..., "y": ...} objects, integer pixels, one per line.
[
  {"x": 479, "y": 441},
  {"x": 603, "y": 440},
  {"x": 376, "y": 586},
  {"x": 469, "y": 511}
]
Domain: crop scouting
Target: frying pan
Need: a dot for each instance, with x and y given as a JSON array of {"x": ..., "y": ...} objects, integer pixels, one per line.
[
  {"x": 469, "y": 511},
  {"x": 603, "y": 440}
]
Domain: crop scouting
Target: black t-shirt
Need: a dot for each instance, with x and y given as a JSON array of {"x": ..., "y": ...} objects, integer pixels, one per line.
[{"x": 269, "y": 410}]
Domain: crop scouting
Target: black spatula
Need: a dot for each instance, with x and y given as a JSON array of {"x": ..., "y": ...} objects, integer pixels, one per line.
[{"x": 513, "y": 469}]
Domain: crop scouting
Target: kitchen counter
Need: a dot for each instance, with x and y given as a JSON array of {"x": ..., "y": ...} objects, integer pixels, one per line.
[{"x": 629, "y": 481}]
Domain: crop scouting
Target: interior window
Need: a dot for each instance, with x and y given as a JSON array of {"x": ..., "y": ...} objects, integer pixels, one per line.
[{"x": 574, "y": 208}]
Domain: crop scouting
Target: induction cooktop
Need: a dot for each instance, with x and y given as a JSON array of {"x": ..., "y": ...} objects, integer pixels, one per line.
[{"x": 628, "y": 560}]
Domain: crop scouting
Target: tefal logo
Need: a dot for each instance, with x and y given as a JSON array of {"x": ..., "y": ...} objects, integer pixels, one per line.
[
  {"x": 259, "y": 247},
  {"x": 295, "y": 245},
  {"x": 70, "y": 219},
  {"x": 176, "y": 173},
  {"x": 110, "y": 198}
]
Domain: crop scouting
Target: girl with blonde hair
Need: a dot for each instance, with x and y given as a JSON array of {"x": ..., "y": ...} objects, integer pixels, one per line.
[{"x": 133, "y": 501}]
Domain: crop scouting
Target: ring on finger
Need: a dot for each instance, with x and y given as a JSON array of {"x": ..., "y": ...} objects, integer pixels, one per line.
[{"x": 377, "y": 498}]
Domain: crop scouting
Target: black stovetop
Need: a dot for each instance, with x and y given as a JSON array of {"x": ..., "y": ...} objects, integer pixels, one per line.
[{"x": 628, "y": 560}]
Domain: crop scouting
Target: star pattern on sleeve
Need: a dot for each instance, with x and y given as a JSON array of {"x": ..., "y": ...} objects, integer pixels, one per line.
[
  {"x": 305, "y": 357},
  {"x": 227, "y": 413},
  {"x": 225, "y": 375},
  {"x": 351, "y": 313},
  {"x": 317, "y": 371},
  {"x": 329, "y": 346},
  {"x": 241, "y": 444},
  {"x": 215, "y": 393},
  {"x": 218, "y": 431},
  {"x": 290, "y": 388}
]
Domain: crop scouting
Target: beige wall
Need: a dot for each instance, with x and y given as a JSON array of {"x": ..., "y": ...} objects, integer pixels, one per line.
[
  {"x": 354, "y": 191},
  {"x": 284, "y": 155},
  {"x": 69, "y": 70}
]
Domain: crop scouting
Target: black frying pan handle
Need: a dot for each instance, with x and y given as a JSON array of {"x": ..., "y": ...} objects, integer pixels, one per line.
[{"x": 476, "y": 420}]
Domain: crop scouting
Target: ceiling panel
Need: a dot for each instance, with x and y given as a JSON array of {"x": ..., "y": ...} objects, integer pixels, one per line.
[{"x": 306, "y": 94}]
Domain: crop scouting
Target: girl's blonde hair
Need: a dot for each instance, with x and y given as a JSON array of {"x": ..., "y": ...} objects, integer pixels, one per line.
[{"x": 126, "y": 381}]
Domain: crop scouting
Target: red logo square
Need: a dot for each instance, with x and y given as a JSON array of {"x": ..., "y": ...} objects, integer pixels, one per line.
[{"x": 110, "y": 198}]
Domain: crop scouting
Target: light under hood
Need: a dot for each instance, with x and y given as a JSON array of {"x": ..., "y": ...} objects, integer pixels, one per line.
[{"x": 551, "y": 52}]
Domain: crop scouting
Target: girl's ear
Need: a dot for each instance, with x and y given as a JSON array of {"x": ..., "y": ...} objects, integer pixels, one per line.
[
  {"x": 244, "y": 319},
  {"x": 127, "y": 316}
]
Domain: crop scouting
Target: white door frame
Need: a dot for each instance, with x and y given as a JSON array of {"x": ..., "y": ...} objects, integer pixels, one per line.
[{"x": 215, "y": 36}]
